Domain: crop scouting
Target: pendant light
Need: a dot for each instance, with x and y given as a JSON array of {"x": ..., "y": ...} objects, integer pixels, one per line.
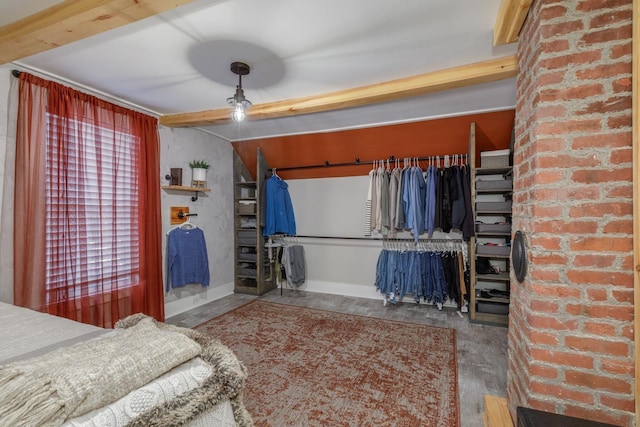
[{"x": 238, "y": 102}]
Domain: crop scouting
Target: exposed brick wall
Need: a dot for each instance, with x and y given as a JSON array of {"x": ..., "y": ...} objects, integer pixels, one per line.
[{"x": 571, "y": 322}]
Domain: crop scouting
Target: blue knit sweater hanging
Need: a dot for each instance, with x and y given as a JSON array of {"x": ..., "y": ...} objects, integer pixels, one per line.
[{"x": 187, "y": 260}]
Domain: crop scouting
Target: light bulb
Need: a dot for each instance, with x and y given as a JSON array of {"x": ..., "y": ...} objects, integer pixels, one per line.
[{"x": 238, "y": 113}]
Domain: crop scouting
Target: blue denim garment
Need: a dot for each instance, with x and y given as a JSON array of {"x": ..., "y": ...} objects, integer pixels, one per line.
[
  {"x": 430, "y": 200},
  {"x": 415, "y": 220},
  {"x": 381, "y": 271},
  {"x": 390, "y": 272},
  {"x": 440, "y": 284},
  {"x": 406, "y": 198},
  {"x": 417, "y": 273}
]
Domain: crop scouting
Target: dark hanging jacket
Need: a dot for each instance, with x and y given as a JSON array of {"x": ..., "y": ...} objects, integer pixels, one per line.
[
  {"x": 468, "y": 225},
  {"x": 458, "y": 209}
]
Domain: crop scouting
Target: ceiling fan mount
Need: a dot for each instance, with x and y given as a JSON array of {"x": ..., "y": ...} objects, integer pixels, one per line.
[{"x": 240, "y": 68}]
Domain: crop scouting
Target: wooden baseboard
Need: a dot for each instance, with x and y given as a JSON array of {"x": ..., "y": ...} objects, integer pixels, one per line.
[{"x": 496, "y": 412}]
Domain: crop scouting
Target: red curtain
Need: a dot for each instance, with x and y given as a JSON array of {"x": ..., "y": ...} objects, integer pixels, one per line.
[{"x": 87, "y": 240}]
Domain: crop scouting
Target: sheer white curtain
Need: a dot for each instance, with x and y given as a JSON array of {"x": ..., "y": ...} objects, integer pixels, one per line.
[{"x": 7, "y": 183}]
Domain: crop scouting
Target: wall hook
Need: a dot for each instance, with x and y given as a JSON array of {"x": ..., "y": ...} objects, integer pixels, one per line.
[{"x": 182, "y": 214}]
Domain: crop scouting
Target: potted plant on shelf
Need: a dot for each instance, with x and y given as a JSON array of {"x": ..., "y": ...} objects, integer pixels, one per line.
[{"x": 198, "y": 170}]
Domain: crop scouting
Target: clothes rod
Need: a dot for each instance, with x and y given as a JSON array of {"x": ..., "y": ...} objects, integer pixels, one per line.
[
  {"x": 374, "y": 239},
  {"x": 326, "y": 237},
  {"x": 421, "y": 240},
  {"x": 359, "y": 162}
]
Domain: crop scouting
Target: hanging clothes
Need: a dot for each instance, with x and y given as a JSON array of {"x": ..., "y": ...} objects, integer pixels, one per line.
[
  {"x": 406, "y": 197},
  {"x": 452, "y": 277},
  {"x": 400, "y": 217},
  {"x": 448, "y": 193},
  {"x": 468, "y": 225},
  {"x": 410, "y": 199},
  {"x": 430, "y": 200},
  {"x": 187, "y": 259},
  {"x": 384, "y": 201},
  {"x": 458, "y": 210},
  {"x": 368, "y": 224},
  {"x": 415, "y": 218},
  {"x": 294, "y": 264},
  {"x": 432, "y": 276},
  {"x": 279, "y": 216},
  {"x": 394, "y": 185}
]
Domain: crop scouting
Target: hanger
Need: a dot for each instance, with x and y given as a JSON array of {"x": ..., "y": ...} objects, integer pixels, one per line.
[{"x": 188, "y": 225}]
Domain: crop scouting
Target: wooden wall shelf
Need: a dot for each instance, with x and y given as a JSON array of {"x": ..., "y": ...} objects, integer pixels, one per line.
[{"x": 185, "y": 188}]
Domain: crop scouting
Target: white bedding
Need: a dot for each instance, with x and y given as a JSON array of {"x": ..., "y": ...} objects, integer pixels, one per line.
[
  {"x": 26, "y": 333},
  {"x": 184, "y": 377}
]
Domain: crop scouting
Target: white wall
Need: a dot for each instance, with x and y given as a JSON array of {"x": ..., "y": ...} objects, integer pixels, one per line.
[
  {"x": 335, "y": 207},
  {"x": 7, "y": 144},
  {"x": 330, "y": 206},
  {"x": 214, "y": 209}
]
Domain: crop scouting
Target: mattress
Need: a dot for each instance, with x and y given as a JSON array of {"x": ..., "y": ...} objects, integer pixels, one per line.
[
  {"x": 37, "y": 332},
  {"x": 26, "y": 334}
]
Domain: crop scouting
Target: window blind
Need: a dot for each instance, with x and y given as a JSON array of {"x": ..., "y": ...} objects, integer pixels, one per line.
[{"x": 92, "y": 238}]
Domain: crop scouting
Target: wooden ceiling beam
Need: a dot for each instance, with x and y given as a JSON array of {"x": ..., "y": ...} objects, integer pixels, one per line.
[
  {"x": 511, "y": 16},
  {"x": 452, "y": 78},
  {"x": 71, "y": 21}
]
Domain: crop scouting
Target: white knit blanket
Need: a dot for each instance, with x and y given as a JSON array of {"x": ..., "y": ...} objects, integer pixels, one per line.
[
  {"x": 180, "y": 379},
  {"x": 65, "y": 383}
]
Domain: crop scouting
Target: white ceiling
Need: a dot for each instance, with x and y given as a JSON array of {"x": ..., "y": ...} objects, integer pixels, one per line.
[{"x": 179, "y": 61}]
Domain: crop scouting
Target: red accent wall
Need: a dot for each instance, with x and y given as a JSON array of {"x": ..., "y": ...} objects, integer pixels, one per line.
[
  {"x": 571, "y": 320},
  {"x": 417, "y": 139}
]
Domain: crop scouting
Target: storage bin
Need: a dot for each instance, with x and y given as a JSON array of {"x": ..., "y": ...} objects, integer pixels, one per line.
[
  {"x": 493, "y": 228},
  {"x": 493, "y": 307},
  {"x": 246, "y": 208},
  {"x": 247, "y": 237},
  {"x": 496, "y": 184},
  {"x": 247, "y": 282},
  {"x": 247, "y": 256},
  {"x": 247, "y": 272},
  {"x": 493, "y": 250},
  {"x": 504, "y": 207},
  {"x": 494, "y": 159}
]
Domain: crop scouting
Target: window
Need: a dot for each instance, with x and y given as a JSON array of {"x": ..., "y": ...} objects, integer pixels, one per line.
[
  {"x": 87, "y": 226},
  {"x": 91, "y": 198}
]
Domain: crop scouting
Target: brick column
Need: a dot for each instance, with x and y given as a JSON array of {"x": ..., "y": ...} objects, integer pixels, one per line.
[{"x": 571, "y": 320}]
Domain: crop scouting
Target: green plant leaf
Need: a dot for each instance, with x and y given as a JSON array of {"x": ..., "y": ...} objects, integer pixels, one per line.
[{"x": 199, "y": 164}]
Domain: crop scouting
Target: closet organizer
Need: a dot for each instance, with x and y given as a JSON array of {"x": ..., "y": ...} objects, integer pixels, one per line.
[{"x": 252, "y": 268}]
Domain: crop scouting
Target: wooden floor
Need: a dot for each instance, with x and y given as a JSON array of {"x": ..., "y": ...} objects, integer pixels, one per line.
[
  {"x": 496, "y": 412},
  {"x": 482, "y": 349}
]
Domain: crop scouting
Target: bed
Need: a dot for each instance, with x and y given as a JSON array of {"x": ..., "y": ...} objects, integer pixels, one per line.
[{"x": 54, "y": 371}]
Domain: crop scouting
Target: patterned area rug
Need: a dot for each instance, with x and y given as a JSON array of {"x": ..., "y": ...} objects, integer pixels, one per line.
[{"x": 311, "y": 367}]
